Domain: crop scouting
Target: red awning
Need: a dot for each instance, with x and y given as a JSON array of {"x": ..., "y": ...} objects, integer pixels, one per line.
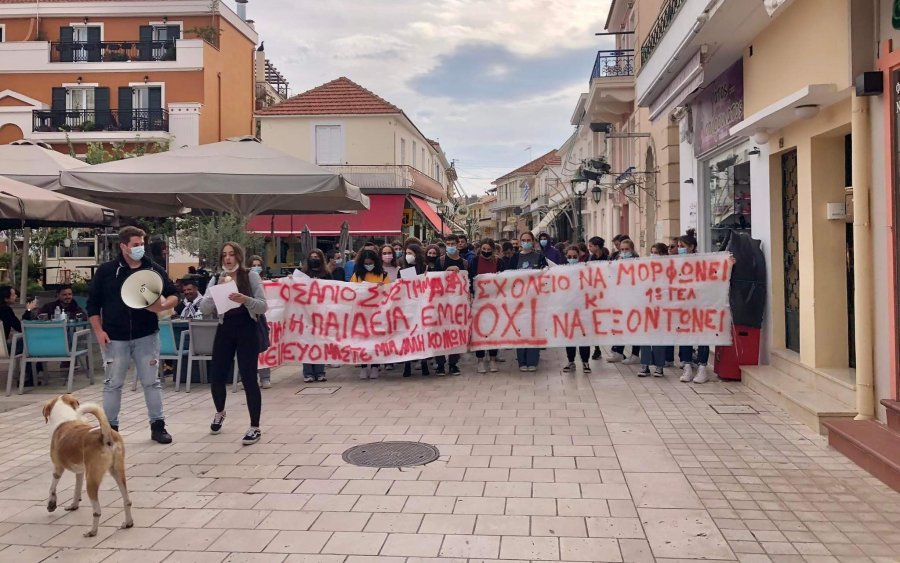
[
  {"x": 384, "y": 217},
  {"x": 425, "y": 209}
]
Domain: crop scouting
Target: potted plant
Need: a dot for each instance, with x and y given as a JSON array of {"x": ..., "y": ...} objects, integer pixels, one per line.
[
  {"x": 88, "y": 126},
  {"x": 119, "y": 57}
]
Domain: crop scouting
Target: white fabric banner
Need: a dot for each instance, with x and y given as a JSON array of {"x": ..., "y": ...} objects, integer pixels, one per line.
[{"x": 668, "y": 300}]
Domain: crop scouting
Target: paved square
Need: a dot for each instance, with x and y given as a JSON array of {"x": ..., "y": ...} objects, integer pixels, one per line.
[{"x": 539, "y": 466}]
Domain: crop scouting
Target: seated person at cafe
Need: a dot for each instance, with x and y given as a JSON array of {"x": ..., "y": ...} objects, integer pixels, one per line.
[
  {"x": 65, "y": 300},
  {"x": 189, "y": 306}
]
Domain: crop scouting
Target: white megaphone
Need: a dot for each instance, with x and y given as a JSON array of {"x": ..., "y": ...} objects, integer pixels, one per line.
[{"x": 142, "y": 289}]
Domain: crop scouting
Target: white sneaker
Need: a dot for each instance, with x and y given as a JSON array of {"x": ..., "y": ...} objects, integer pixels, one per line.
[
  {"x": 631, "y": 361},
  {"x": 492, "y": 366},
  {"x": 701, "y": 377},
  {"x": 266, "y": 384},
  {"x": 688, "y": 375},
  {"x": 364, "y": 373},
  {"x": 373, "y": 372},
  {"x": 614, "y": 358},
  {"x": 480, "y": 367}
]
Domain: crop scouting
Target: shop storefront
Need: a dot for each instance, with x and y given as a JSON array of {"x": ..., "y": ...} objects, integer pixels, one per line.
[{"x": 723, "y": 166}]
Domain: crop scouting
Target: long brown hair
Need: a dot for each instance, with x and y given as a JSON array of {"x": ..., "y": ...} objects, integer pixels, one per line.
[
  {"x": 241, "y": 276},
  {"x": 323, "y": 267}
]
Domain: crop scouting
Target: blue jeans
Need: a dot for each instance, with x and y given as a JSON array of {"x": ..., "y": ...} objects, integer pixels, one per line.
[
  {"x": 116, "y": 358},
  {"x": 528, "y": 357},
  {"x": 686, "y": 352},
  {"x": 653, "y": 355},
  {"x": 265, "y": 374},
  {"x": 314, "y": 370}
]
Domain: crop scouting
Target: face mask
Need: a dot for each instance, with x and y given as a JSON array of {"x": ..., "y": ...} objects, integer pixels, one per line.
[
  {"x": 431, "y": 258},
  {"x": 136, "y": 252},
  {"x": 682, "y": 250},
  {"x": 369, "y": 267},
  {"x": 411, "y": 259},
  {"x": 527, "y": 245},
  {"x": 387, "y": 258},
  {"x": 626, "y": 254},
  {"x": 257, "y": 269},
  {"x": 338, "y": 261},
  {"x": 451, "y": 250},
  {"x": 314, "y": 262},
  {"x": 544, "y": 243},
  {"x": 398, "y": 254},
  {"x": 572, "y": 260},
  {"x": 487, "y": 253}
]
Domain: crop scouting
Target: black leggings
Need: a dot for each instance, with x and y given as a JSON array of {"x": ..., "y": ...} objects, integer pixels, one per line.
[
  {"x": 237, "y": 334},
  {"x": 480, "y": 354},
  {"x": 583, "y": 351}
]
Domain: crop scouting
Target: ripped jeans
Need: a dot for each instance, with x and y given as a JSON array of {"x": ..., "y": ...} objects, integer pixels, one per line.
[{"x": 118, "y": 355}]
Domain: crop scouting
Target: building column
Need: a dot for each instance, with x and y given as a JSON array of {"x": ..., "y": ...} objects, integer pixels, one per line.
[
  {"x": 863, "y": 267},
  {"x": 184, "y": 123}
]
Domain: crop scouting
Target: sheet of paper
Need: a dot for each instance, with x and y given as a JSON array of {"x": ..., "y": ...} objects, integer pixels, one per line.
[
  {"x": 298, "y": 274},
  {"x": 550, "y": 262},
  {"x": 408, "y": 273},
  {"x": 220, "y": 294}
]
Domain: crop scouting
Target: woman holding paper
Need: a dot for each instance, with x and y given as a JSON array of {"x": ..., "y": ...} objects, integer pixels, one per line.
[
  {"x": 238, "y": 302},
  {"x": 369, "y": 269}
]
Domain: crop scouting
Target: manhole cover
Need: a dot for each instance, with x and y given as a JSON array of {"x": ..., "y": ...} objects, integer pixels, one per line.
[
  {"x": 317, "y": 390},
  {"x": 734, "y": 409},
  {"x": 391, "y": 454}
]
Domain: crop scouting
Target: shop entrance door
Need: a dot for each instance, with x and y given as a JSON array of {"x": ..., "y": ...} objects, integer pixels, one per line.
[{"x": 791, "y": 251}]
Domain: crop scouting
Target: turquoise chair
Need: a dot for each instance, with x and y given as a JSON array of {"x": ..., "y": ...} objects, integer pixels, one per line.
[
  {"x": 82, "y": 301},
  {"x": 203, "y": 334},
  {"x": 49, "y": 342},
  {"x": 168, "y": 349},
  {"x": 9, "y": 356}
]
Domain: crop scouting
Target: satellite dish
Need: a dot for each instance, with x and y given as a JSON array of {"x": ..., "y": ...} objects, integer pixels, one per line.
[{"x": 142, "y": 289}]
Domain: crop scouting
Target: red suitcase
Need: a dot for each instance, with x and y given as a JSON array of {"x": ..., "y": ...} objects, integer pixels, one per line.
[{"x": 744, "y": 351}]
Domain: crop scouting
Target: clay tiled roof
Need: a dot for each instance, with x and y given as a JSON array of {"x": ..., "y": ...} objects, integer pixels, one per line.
[
  {"x": 550, "y": 159},
  {"x": 338, "y": 97}
]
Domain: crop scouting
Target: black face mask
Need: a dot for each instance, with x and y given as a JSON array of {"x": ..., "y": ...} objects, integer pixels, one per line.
[
  {"x": 431, "y": 258},
  {"x": 314, "y": 263},
  {"x": 487, "y": 253}
]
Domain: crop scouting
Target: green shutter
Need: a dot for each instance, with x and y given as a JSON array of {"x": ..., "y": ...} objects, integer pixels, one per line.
[
  {"x": 66, "y": 38},
  {"x": 93, "y": 44},
  {"x": 101, "y": 108},
  {"x": 145, "y": 46},
  {"x": 125, "y": 107},
  {"x": 58, "y": 107}
]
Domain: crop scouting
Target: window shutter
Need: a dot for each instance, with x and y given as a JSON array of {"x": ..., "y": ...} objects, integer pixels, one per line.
[
  {"x": 93, "y": 46},
  {"x": 173, "y": 32},
  {"x": 125, "y": 105},
  {"x": 66, "y": 38},
  {"x": 58, "y": 107},
  {"x": 145, "y": 44},
  {"x": 155, "y": 108},
  {"x": 101, "y": 107}
]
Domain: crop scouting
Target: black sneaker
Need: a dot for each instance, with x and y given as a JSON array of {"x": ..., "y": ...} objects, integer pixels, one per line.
[
  {"x": 216, "y": 425},
  {"x": 569, "y": 367},
  {"x": 658, "y": 372},
  {"x": 645, "y": 371},
  {"x": 425, "y": 370},
  {"x": 407, "y": 371},
  {"x": 454, "y": 370},
  {"x": 586, "y": 366},
  {"x": 596, "y": 355},
  {"x": 439, "y": 371},
  {"x": 322, "y": 379},
  {"x": 252, "y": 436},
  {"x": 114, "y": 427},
  {"x": 158, "y": 432}
]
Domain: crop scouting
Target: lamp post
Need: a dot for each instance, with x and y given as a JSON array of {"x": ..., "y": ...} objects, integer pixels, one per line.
[
  {"x": 579, "y": 188},
  {"x": 442, "y": 210}
]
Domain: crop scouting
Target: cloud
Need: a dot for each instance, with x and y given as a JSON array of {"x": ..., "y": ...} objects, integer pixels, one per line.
[{"x": 492, "y": 72}]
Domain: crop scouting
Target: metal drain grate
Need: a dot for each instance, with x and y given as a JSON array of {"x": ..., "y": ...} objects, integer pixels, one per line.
[
  {"x": 317, "y": 391},
  {"x": 734, "y": 409},
  {"x": 391, "y": 454}
]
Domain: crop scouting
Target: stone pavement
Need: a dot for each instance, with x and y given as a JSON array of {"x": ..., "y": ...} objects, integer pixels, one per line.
[{"x": 534, "y": 467}]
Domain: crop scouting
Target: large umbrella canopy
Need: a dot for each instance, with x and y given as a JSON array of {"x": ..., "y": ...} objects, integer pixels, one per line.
[
  {"x": 29, "y": 206},
  {"x": 240, "y": 176},
  {"x": 34, "y": 164}
]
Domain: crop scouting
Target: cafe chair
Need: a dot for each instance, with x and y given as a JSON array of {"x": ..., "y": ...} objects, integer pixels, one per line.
[
  {"x": 48, "y": 341},
  {"x": 203, "y": 334},
  {"x": 10, "y": 359},
  {"x": 168, "y": 350}
]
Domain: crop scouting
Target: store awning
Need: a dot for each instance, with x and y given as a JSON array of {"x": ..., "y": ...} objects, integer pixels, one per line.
[
  {"x": 384, "y": 217},
  {"x": 431, "y": 215},
  {"x": 545, "y": 222}
]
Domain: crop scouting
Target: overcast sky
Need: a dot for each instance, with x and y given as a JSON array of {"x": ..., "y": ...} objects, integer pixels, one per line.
[{"x": 487, "y": 78}]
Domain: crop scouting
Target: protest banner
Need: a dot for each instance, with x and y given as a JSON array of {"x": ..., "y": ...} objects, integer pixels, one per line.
[
  {"x": 330, "y": 322},
  {"x": 667, "y": 300}
]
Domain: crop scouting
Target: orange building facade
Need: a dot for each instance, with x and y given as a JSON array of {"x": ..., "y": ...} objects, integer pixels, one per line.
[{"x": 134, "y": 71}]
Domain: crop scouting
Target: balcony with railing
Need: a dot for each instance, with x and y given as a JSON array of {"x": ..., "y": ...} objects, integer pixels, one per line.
[
  {"x": 54, "y": 121},
  {"x": 659, "y": 28},
  {"x": 390, "y": 177},
  {"x": 617, "y": 63},
  {"x": 112, "y": 51},
  {"x": 611, "y": 86}
]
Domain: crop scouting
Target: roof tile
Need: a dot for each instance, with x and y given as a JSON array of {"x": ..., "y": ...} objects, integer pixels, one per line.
[
  {"x": 552, "y": 158},
  {"x": 338, "y": 97}
]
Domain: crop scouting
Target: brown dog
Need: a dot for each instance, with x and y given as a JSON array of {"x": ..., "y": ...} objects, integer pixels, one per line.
[{"x": 85, "y": 450}]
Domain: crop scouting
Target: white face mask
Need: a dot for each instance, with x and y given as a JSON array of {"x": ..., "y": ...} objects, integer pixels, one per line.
[
  {"x": 136, "y": 252},
  {"x": 411, "y": 259}
]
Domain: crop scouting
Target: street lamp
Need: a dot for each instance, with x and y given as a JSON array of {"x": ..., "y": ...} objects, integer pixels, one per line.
[
  {"x": 579, "y": 188},
  {"x": 596, "y": 193}
]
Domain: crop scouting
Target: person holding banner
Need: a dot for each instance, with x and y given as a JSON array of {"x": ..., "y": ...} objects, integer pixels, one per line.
[
  {"x": 238, "y": 333},
  {"x": 432, "y": 253},
  {"x": 255, "y": 264},
  {"x": 452, "y": 261},
  {"x": 390, "y": 262},
  {"x": 687, "y": 244},
  {"x": 486, "y": 262},
  {"x": 317, "y": 268},
  {"x": 624, "y": 251},
  {"x": 414, "y": 257},
  {"x": 528, "y": 258},
  {"x": 369, "y": 269},
  {"x": 573, "y": 257}
]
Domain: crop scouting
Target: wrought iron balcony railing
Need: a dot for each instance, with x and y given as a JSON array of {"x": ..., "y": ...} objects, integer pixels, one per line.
[
  {"x": 613, "y": 63},
  {"x": 666, "y": 15},
  {"x": 51, "y": 121},
  {"x": 112, "y": 51}
]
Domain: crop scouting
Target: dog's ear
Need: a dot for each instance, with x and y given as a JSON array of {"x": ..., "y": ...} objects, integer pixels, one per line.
[
  {"x": 70, "y": 400},
  {"x": 48, "y": 408}
]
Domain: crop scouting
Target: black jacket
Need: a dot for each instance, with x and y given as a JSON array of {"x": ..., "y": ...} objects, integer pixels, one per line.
[{"x": 120, "y": 321}]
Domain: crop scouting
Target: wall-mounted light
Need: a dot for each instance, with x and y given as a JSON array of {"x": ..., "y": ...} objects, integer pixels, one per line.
[
  {"x": 761, "y": 137},
  {"x": 78, "y": 80},
  {"x": 146, "y": 79},
  {"x": 689, "y": 181},
  {"x": 85, "y": 20},
  {"x": 165, "y": 19},
  {"x": 806, "y": 111},
  {"x": 754, "y": 151}
]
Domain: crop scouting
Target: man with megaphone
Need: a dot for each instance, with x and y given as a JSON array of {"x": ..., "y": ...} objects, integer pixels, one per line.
[{"x": 126, "y": 295}]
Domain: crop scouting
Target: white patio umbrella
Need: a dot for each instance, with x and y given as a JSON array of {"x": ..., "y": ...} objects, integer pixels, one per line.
[{"x": 241, "y": 176}]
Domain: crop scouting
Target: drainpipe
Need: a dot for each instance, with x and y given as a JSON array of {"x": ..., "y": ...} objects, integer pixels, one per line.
[{"x": 863, "y": 298}]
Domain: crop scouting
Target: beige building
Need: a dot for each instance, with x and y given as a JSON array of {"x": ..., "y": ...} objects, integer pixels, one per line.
[
  {"x": 373, "y": 143},
  {"x": 517, "y": 192}
]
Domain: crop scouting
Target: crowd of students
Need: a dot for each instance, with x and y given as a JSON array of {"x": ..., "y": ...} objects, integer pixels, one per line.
[{"x": 381, "y": 264}]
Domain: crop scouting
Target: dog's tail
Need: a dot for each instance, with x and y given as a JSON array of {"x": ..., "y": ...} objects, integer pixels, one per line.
[{"x": 97, "y": 411}]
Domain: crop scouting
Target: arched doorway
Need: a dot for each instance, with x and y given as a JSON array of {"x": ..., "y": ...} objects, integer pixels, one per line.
[{"x": 9, "y": 133}]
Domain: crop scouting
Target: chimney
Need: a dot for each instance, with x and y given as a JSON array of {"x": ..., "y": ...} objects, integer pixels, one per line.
[{"x": 242, "y": 9}]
